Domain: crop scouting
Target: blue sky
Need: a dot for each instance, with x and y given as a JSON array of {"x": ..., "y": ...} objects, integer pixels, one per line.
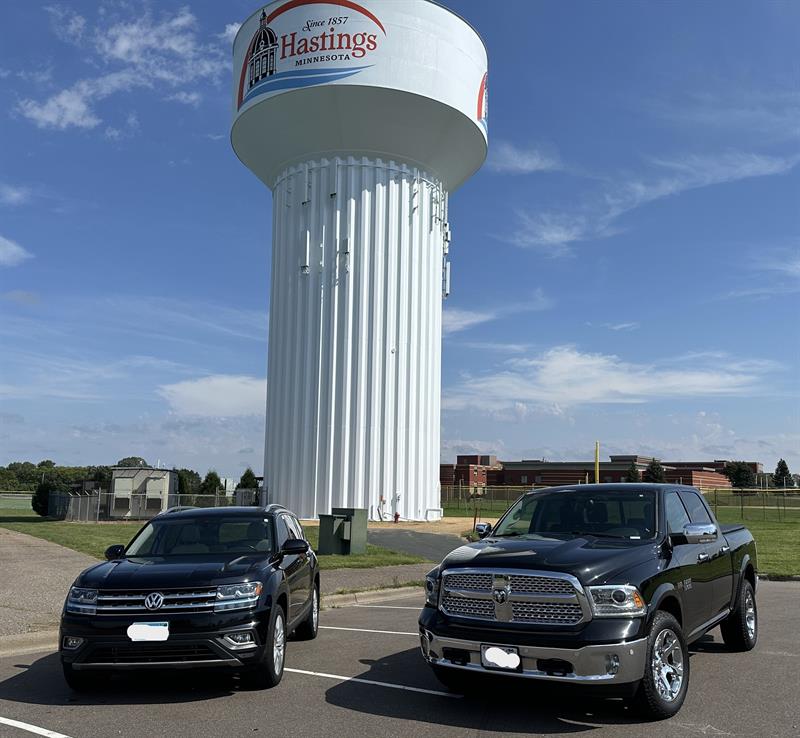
[{"x": 626, "y": 266}]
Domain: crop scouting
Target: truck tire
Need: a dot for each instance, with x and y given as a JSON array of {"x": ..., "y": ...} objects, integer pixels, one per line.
[
  {"x": 666, "y": 674},
  {"x": 269, "y": 671},
  {"x": 307, "y": 630},
  {"x": 456, "y": 680},
  {"x": 740, "y": 628}
]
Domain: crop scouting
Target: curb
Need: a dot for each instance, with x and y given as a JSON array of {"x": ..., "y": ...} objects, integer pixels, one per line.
[
  {"x": 779, "y": 578},
  {"x": 16, "y": 645},
  {"x": 369, "y": 596}
]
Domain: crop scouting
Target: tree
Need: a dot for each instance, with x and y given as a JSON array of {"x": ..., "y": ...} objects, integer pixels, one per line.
[
  {"x": 782, "y": 476},
  {"x": 248, "y": 480},
  {"x": 740, "y": 474},
  {"x": 632, "y": 474},
  {"x": 101, "y": 475},
  {"x": 46, "y": 464},
  {"x": 211, "y": 483},
  {"x": 41, "y": 497},
  {"x": 132, "y": 461},
  {"x": 8, "y": 480},
  {"x": 654, "y": 473},
  {"x": 188, "y": 481}
]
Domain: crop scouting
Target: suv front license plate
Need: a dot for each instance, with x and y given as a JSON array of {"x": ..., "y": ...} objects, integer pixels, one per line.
[
  {"x": 505, "y": 658},
  {"x": 148, "y": 631}
]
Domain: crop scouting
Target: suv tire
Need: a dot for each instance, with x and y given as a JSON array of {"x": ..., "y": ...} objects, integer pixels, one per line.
[
  {"x": 269, "y": 671},
  {"x": 666, "y": 675},
  {"x": 80, "y": 681},
  {"x": 307, "y": 630},
  {"x": 740, "y": 628}
]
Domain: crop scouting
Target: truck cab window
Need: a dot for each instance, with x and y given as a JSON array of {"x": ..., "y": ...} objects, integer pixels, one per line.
[
  {"x": 676, "y": 514},
  {"x": 697, "y": 510}
]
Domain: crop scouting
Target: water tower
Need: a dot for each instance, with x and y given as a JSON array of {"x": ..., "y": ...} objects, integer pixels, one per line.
[{"x": 361, "y": 117}]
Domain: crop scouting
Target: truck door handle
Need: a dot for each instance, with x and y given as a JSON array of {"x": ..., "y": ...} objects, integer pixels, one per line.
[
  {"x": 725, "y": 549},
  {"x": 702, "y": 557}
]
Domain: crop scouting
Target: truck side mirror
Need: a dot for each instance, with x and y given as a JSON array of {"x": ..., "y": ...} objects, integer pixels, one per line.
[
  {"x": 700, "y": 533},
  {"x": 483, "y": 529}
]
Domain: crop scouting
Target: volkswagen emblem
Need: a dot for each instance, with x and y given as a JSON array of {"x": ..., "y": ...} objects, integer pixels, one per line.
[
  {"x": 154, "y": 600},
  {"x": 500, "y": 596}
]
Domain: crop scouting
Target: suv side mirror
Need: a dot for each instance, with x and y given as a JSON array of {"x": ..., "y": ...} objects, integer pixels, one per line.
[
  {"x": 295, "y": 547},
  {"x": 699, "y": 533},
  {"x": 115, "y": 552},
  {"x": 483, "y": 529}
]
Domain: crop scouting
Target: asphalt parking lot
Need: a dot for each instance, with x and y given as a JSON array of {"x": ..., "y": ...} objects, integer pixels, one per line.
[{"x": 364, "y": 676}]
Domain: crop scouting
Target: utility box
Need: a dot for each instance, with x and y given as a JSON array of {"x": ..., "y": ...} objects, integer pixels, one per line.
[{"x": 343, "y": 532}]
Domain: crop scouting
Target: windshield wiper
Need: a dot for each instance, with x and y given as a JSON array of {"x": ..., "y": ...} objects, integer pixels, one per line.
[{"x": 597, "y": 535}]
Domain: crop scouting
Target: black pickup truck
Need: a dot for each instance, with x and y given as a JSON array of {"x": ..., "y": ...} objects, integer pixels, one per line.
[
  {"x": 196, "y": 587},
  {"x": 599, "y": 584}
]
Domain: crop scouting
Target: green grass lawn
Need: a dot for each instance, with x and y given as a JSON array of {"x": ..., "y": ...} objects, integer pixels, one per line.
[{"x": 95, "y": 538}]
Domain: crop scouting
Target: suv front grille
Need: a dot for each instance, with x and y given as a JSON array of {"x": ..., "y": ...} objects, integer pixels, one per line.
[
  {"x": 542, "y": 598},
  {"x": 131, "y": 602},
  {"x": 144, "y": 653}
]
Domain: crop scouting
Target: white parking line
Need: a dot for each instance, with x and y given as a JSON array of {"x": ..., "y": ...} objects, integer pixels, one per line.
[
  {"x": 392, "y": 607},
  {"x": 367, "y": 630},
  {"x": 359, "y": 680},
  {"x": 32, "y": 728}
]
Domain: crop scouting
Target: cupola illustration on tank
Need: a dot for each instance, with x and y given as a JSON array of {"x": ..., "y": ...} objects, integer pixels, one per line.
[{"x": 263, "y": 48}]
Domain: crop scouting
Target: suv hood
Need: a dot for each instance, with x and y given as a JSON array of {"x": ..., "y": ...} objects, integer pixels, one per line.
[
  {"x": 592, "y": 560},
  {"x": 174, "y": 571}
]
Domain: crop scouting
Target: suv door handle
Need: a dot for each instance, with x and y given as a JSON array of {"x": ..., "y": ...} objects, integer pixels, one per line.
[
  {"x": 702, "y": 557},
  {"x": 725, "y": 549}
]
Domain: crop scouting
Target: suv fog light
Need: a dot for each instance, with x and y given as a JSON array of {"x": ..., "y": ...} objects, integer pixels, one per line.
[
  {"x": 612, "y": 664},
  {"x": 70, "y": 643},
  {"x": 240, "y": 639}
]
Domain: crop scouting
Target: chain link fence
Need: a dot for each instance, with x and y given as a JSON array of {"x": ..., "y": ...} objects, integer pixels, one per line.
[{"x": 103, "y": 506}]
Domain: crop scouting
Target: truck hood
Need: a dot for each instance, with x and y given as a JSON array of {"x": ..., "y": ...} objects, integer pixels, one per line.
[
  {"x": 592, "y": 560},
  {"x": 174, "y": 571}
]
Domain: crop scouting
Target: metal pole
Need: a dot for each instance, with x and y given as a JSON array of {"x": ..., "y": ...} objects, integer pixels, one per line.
[{"x": 597, "y": 462}]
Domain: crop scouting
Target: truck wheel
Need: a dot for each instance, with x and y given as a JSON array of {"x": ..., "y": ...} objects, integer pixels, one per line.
[
  {"x": 666, "y": 675},
  {"x": 456, "y": 680},
  {"x": 80, "y": 681},
  {"x": 269, "y": 671},
  {"x": 740, "y": 628},
  {"x": 307, "y": 630}
]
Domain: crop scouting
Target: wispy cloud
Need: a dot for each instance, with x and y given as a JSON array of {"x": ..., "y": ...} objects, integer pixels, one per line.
[
  {"x": 458, "y": 319},
  {"x": 11, "y": 253},
  {"x": 14, "y": 194},
  {"x": 147, "y": 52},
  {"x": 555, "y": 232},
  {"x": 192, "y": 99},
  {"x": 509, "y": 158},
  {"x": 565, "y": 377},
  {"x": 22, "y": 297},
  {"x": 631, "y": 326},
  {"x": 230, "y": 31},
  {"x": 220, "y": 395}
]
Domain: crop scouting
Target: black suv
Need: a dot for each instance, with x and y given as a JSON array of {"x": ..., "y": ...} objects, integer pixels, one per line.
[{"x": 195, "y": 587}]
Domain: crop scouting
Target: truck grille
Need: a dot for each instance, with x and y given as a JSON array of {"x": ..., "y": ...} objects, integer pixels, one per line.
[
  {"x": 131, "y": 602},
  {"x": 541, "y": 598}
]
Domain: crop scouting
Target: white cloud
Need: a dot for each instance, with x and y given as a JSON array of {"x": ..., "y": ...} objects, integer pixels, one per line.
[
  {"x": 219, "y": 395},
  {"x": 66, "y": 23},
  {"x": 457, "y": 319},
  {"x": 11, "y": 253},
  {"x": 141, "y": 51},
  {"x": 187, "y": 98},
  {"x": 231, "y": 29},
  {"x": 632, "y": 326},
  {"x": 13, "y": 195},
  {"x": 597, "y": 218},
  {"x": 507, "y": 158},
  {"x": 565, "y": 377},
  {"x": 22, "y": 297}
]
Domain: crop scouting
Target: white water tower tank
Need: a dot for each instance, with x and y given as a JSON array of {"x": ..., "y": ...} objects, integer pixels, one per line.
[{"x": 361, "y": 117}]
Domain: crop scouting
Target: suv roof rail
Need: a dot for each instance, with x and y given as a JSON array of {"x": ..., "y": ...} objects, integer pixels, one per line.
[{"x": 178, "y": 508}]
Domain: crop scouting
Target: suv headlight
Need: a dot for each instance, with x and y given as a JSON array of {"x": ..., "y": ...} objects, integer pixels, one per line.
[
  {"x": 615, "y": 600},
  {"x": 82, "y": 600},
  {"x": 432, "y": 588},
  {"x": 237, "y": 596}
]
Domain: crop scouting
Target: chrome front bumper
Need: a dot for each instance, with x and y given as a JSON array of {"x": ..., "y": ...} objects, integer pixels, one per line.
[{"x": 617, "y": 663}]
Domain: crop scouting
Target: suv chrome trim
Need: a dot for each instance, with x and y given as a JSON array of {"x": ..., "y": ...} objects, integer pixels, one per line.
[{"x": 514, "y": 596}]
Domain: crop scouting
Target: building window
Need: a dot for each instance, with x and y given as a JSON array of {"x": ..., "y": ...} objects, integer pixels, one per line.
[{"x": 524, "y": 479}]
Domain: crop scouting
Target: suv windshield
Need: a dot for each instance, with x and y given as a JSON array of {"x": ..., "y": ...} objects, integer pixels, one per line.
[
  {"x": 616, "y": 513},
  {"x": 181, "y": 537}
]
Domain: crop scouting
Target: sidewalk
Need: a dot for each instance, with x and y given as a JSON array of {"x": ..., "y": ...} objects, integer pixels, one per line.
[{"x": 336, "y": 580}]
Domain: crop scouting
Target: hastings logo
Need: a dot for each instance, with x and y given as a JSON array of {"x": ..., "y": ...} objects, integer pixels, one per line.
[{"x": 277, "y": 60}]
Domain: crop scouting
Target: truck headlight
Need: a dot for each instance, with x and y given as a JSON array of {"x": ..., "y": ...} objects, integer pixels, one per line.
[
  {"x": 82, "y": 600},
  {"x": 432, "y": 588},
  {"x": 237, "y": 596},
  {"x": 615, "y": 600}
]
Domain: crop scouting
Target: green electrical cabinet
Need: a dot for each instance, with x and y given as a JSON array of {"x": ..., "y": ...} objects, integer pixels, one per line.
[{"x": 343, "y": 532}]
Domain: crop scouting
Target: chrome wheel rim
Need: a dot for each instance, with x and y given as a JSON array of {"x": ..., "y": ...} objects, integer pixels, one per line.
[
  {"x": 278, "y": 644},
  {"x": 750, "y": 614},
  {"x": 667, "y": 665},
  {"x": 314, "y": 610}
]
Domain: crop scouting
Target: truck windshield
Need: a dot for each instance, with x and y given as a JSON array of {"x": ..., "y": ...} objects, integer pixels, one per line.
[
  {"x": 223, "y": 535},
  {"x": 567, "y": 513}
]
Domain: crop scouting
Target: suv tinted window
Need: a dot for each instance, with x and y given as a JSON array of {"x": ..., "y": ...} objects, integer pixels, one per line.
[
  {"x": 697, "y": 510},
  {"x": 676, "y": 513},
  {"x": 295, "y": 528},
  {"x": 281, "y": 530}
]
